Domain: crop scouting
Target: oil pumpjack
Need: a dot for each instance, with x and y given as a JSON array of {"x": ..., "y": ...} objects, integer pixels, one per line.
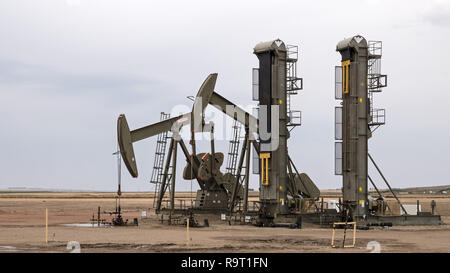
[
  {"x": 216, "y": 188},
  {"x": 282, "y": 187}
]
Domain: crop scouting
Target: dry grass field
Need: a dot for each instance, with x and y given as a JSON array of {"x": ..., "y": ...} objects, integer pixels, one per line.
[{"x": 22, "y": 228}]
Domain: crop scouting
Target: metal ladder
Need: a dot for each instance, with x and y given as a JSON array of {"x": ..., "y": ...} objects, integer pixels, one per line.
[
  {"x": 233, "y": 150},
  {"x": 158, "y": 163}
]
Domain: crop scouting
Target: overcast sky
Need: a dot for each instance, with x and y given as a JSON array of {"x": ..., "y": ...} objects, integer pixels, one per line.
[{"x": 69, "y": 68}]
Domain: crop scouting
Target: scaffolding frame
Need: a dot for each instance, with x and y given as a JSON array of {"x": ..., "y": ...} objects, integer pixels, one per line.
[
  {"x": 293, "y": 85},
  {"x": 375, "y": 82}
]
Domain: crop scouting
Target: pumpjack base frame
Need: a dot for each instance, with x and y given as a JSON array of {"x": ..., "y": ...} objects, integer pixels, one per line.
[
  {"x": 323, "y": 219},
  {"x": 405, "y": 220},
  {"x": 193, "y": 210},
  {"x": 281, "y": 220},
  {"x": 327, "y": 219}
]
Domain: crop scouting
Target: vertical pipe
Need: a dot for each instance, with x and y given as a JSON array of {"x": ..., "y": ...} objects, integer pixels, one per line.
[
  {"x": 213, "y": 151},
  {"x": 174, "y": 168},
  {"x": 192, "y": 142},
  {"x": 119, "y": 170},
  {"x": 267, "y": 170},
  {"x": 262, "y": 172},
  {"x": 120, "y": 210},
  {"x": 247, "y": 173}
]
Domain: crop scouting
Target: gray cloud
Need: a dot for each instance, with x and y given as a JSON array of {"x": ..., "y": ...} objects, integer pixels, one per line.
[
  {"x": 438, "y": 16},
  {"x": 16, "y": 72},
  {"x": 67, "y": 72}
]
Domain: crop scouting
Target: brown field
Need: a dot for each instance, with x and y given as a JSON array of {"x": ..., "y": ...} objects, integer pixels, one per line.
[{"x": 22, "y": 228}]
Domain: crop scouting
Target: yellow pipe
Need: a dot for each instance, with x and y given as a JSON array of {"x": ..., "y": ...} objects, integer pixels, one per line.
[
  {"x": 46, "y": 226},
  {"x": 267, "y": 170},
  {"x": 262, "y": 171},
  {"x": 345, "y": 76},
  {"x": 264, "y": 168},
  {"x": 187, "y": 232}
]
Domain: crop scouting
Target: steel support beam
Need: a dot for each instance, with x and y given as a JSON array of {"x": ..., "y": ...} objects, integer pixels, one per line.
[
  {"x": 389, "y": 186},
  {"x": 247, "y": 173},
  {"x": 174, "y": 171}
]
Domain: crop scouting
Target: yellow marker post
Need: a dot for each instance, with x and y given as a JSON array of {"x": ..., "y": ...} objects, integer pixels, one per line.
[
  {"x": 187, "y": 232},
  {"x": 46, "y": 226}
]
